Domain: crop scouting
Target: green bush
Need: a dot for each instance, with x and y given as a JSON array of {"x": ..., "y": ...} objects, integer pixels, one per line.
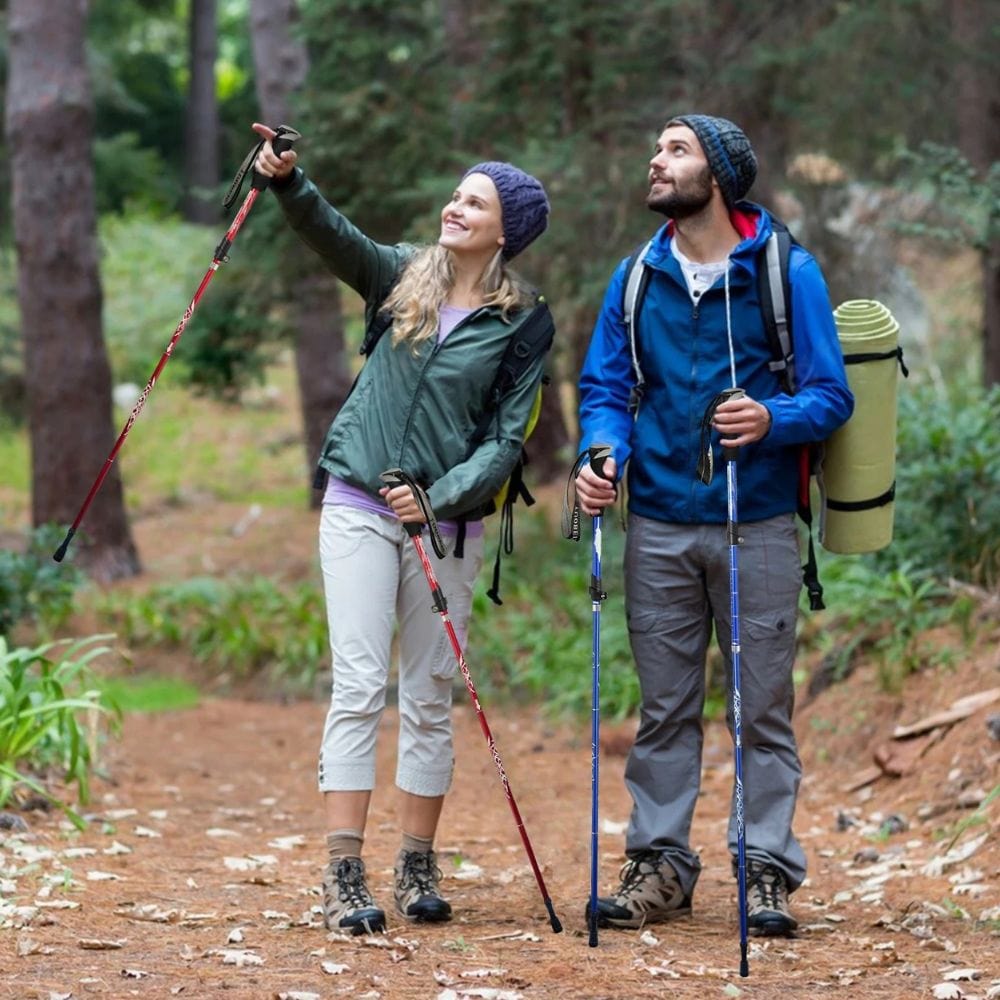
[
  {"x": 128, "y": 174},
  {"x": 150, "y": 268},
  {"x": 248, "y": 626},
  {"x": 33, "y": 586},
  {"x": 885, "y": 615},
  {"x": 41, "y": 701},
  {"x": 947, "y": 519},
  {"x": 540, "y": 643},
  {"x": 229, "y": 343}
]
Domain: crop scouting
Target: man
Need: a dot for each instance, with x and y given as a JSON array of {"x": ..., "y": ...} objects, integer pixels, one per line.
[{"x": 700, "y": 331}]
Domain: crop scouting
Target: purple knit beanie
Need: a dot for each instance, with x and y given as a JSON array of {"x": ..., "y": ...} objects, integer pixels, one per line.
[
  {"x": 524, "y": 208},
  {"x": 728, "y": 151}
]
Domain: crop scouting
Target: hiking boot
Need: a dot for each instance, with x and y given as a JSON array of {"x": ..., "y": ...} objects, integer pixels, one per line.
[
  {"x": 347, "y": 903},
  {"x": 650, "y": 892},
  {"x": 417, "y": 894},
  {"x": 767, "y": 901}
]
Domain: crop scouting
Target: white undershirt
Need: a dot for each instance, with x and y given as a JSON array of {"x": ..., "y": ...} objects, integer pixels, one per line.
[{"x": 699, "y": 277}]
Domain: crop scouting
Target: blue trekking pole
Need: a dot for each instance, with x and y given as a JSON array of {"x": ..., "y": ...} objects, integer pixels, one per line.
[
  {"x": 597, "y": 454},
  {"x": 705, "y": 471},
  {"x": 732, "y": 533}
]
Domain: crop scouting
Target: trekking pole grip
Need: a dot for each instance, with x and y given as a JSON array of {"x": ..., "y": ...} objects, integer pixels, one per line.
[
  {"x": 729, "y": 454},
  {"x": 281, "y": 143},
  {"x": 396, "y": 477},
  {"x": 599, "y": 454}
]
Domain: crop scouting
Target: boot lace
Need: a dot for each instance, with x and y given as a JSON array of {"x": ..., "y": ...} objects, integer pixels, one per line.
[
  {"x": 351, "y": 888},
  {"x": 767, "y": 881},
  {"x": 420, "y": 871},
  {"x": 632, "y": 874}
]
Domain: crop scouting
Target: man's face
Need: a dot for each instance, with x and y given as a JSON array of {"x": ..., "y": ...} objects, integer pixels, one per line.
[{"x": 680, "y": 181}]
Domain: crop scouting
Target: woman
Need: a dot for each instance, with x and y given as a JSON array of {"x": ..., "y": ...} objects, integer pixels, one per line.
[{"x": 420, "y": 395}]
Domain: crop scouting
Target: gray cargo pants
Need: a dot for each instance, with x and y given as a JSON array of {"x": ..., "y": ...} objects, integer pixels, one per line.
[{"x": 676, "y": 586}]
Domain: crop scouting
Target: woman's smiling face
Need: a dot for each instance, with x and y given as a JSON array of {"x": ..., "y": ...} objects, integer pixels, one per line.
[{"x": 472, "y": 222}]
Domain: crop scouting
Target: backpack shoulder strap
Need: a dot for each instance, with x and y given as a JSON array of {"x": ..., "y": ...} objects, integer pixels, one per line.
[
  {"x": 636, "y": 281},
  {"x": 373, "y": 334},
  {"x": 378, "y": 318},
  {"x": 774, "y": 293},
  {"x": 530, "y": 341}
]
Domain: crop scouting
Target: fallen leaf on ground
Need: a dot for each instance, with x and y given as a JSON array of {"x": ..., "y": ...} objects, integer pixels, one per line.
[
  {"x": 98, "y": 944},
  {"x": 954, "y": 975},
  {"x": 287, "y": 843},
  {"x": 239, "y": 957},
  {"x": 948, "y": 991}
]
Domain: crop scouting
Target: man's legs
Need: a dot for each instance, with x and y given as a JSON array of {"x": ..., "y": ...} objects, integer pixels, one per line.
[
  {"x": 770, "y": 579},
  {"x": 669, "y": 627}
]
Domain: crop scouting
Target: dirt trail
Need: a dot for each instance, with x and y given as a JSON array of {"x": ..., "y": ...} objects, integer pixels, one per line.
[{"x": 198, "y": 877}]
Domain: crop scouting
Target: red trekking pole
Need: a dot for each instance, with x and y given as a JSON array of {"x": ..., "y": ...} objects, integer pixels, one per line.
[
  {"x": 396, "y": 477},
  {"x": 283, "y": 140}
]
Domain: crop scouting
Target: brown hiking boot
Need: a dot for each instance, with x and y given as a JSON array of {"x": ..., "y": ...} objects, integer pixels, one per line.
[
  {"x": 767, "y": 901},
  {"x": 347, "y": 903},
  {"x": 417, "y": 894},
  {"x": 650, "y": 893}
]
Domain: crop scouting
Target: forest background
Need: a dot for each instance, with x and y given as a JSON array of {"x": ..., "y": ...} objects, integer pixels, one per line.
[{"x": 876, "y": 126}]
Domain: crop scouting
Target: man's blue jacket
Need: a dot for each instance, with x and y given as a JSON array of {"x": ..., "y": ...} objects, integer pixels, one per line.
[{"x": 684, "y": 355}]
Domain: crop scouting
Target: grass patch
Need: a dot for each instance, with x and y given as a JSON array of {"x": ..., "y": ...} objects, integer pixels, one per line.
[{"x": 150, "y": 693}]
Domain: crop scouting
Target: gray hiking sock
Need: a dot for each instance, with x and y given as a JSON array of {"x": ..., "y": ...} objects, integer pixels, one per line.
[
  {"x": 344, "y": 844},
  {"x": 419, "y": 844}
]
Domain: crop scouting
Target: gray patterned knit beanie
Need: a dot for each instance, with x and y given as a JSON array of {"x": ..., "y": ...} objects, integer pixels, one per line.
[
  {"x": 524, "y": 206},
  {"x": 728, "y": 151}
]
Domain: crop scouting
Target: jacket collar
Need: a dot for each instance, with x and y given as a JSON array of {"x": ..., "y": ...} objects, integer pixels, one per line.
[{"x": 751, "y": 222}]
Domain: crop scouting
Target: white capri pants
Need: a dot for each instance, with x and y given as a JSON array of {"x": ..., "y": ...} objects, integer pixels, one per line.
[{"x": 372, "y": 578}]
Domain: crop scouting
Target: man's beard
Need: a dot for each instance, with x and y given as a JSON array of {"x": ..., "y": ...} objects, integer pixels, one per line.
[{"x": 684, "y": 201}]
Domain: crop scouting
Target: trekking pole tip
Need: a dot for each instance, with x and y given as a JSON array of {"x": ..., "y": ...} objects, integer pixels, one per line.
[
  {"x": 553, "y": 919},
  {"x": 60, "y": 553}
]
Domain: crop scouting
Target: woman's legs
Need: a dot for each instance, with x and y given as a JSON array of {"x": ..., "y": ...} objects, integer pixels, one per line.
[
  {"x": 427, "y": 669},
  {"x": 419, "y": 814},
  {"x": 359, "y": 554}
]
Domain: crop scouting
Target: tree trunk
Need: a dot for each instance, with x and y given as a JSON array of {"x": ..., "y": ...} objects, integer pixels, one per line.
[
  {"x": 49, "y": 124},
  {"x": 320, "y": 359},
  {"x": 977, "y": 113},
  {"x": 280, "y": 58},
  {"x": 281, "y": 63},
  {"x": 201, "y": 128},
  {"x": 465, "y": 42}
]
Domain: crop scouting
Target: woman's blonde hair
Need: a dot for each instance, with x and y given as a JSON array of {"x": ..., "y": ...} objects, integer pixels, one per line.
[{"x": 428, "y": 276}]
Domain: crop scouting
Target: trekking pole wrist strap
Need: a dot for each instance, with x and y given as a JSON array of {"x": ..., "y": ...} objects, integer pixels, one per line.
[
  {"x": 706, "y": 460},
  {"x": 396, "y": 477},
  {"x": 596, "y": 455},
  {"x": 283, "y": 139}
]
